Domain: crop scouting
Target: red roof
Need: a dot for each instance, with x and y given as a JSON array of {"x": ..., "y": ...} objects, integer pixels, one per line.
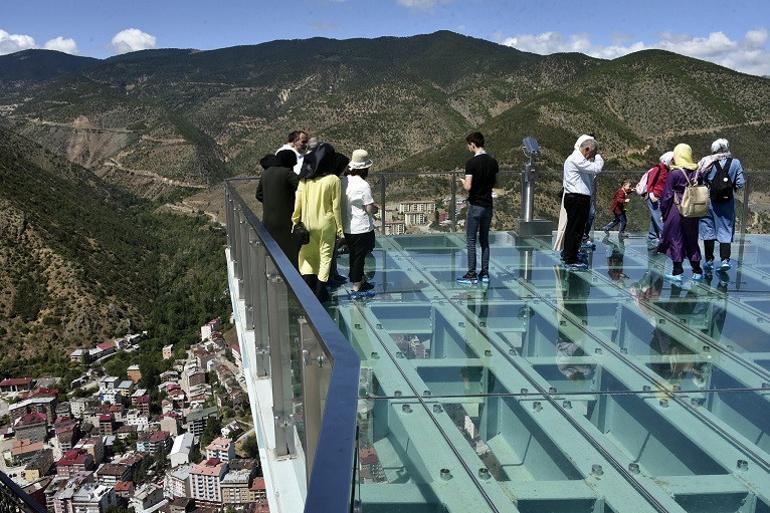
[
  {"x": 74, "y": 457},
  {"x": 258, "y": 484},
  {"x": 42, "y": 392},
  {"x": 124, "y": 486},
  {"x": 31, "y": 419},
  {"x": 105, "y": 418},
  {"x": 10, "y": 382},
  {"x": 235, "y": 347},
  {"x": 159, "y": 436},
  {"x": 105, "y": 346},
  {"x": 142, "y": 399}
]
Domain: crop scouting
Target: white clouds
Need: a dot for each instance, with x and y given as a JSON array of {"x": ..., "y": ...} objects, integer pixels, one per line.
[
  {"x": 421, "y": 4},
  {"x": 10, "y": 43},
  {"x": 749, "y": 55},
  {"x": 62, "y": 44},
  {"x": 131, "y": 40}
]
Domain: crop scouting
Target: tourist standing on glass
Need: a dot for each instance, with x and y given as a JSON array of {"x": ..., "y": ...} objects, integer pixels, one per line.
[
  {"x": 276, "y": 190},
  {"x": 480, "y": 177},
  {"x": 357, "y": 211},
  {"x": 317, "y": 207},
  {"x": 656, "y": 182},
  {"x": 296, "y": 142},
  {"x": 724, "y": 175},
  {"x": 679, "y": 239},
  {"x": 580, "y": 168}
]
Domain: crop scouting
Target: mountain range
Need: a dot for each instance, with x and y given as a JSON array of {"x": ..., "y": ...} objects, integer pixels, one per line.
[{"x": 90, "y": 148}]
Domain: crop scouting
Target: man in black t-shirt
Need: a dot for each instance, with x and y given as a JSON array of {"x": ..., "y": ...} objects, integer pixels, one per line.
[{"x": 480, "y": 176}]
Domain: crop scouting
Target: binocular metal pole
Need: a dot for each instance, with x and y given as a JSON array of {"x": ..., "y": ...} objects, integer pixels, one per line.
[{"x": 528, "y": 191}]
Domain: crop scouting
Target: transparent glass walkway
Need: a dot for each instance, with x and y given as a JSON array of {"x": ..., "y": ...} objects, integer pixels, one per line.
[{"x": 545, "y": 391}]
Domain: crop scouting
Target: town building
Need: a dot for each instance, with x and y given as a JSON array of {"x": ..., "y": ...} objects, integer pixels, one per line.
[
  {"x": 138, "y": 418},
  {"x": 93, "y": 498},
  {"x": 124, "y": 489},
  {"x": 74, "y": 461},
  {"x": 107, "y": 424},
  {"x": 79, "y": 405},
  {"x": 170, "y": 423},
  {"x": 111, "y": 473},
  {"x": 409, "y": 207},
  {"x": 182, "y": 505},
  {"x": 125, "y": 388},
  {"x": 210, "y": 327},
  {"x": 395, "y": 228},
  {"x": 148, "y": 498},
  {"x": 94, "y": 446},
  {"x": 22, "y": 451},
  {"x": 221, "y": 448},
  {"x": 205, "y": 481},
  {"x": 197, "y": 419},
  {"x": 80, "y": 356},
  {"x": 180, "y": 451},
  {"x": 39, "y": 465},
  {"x": 124, "y": 432},
  {"x": 9, "y": 385},
  {"x": 168, "y": 351},
  {"x": 36, "y": 488},
  {"x": 45, "y": 404},
  {"x": 192, "y": 376},
  {"x": 32, "y": 427},
  {"x": 133, "y": 373},
  {"x": 108, "y": 389},
  {"x": 154, "y": 443},
  {"x": 177, "y": 482},
  {"x": 417, "y": 219}
]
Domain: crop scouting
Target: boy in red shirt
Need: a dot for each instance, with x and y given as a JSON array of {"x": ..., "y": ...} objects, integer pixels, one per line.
[{"x": 618, "y": 208}]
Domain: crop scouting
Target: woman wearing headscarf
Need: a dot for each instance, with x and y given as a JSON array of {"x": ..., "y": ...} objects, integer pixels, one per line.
[
  {"x": 724, "y": 175},
  {"x": 656, "y": 182},
  {"x": 317, "y": 206},
  {"x": 679, "y": 239},
  {"x": 276, "y": 192}
]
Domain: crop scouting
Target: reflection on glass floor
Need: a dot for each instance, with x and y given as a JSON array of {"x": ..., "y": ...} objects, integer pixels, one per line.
[{"x": 545, "y": 391}]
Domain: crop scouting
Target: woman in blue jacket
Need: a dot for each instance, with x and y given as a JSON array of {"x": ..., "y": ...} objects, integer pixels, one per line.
[{"x": 724, "y": 176}]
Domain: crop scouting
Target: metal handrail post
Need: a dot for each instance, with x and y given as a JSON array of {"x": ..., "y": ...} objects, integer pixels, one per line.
[
  {"x": 280, "y": 364},
  {"x": 313, "y": 389},
  {"x": 236, "y": 243},
  {"x": 383, "y": 187},
  {"x": 453, "y": 201},
  {"x": 257, "y": 294}
]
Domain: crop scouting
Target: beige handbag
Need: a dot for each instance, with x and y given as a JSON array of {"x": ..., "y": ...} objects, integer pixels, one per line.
[{"x": 695, "y": 198}]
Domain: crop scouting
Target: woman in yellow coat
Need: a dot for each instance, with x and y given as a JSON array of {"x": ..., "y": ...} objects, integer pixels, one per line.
[{"x": 317, "y": 206}]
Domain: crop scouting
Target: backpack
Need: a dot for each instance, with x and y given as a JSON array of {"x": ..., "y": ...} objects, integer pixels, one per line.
[
  {"x": 695, "y": 199},
  {"x": 721, "y": 186},
  {"x": 641, "y": 187}
]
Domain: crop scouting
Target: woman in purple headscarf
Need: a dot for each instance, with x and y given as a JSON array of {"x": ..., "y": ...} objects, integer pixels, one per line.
[{"x": 679, "y": 239}]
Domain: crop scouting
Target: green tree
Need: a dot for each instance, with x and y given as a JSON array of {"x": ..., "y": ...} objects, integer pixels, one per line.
[{"x": 250, "y": 446}]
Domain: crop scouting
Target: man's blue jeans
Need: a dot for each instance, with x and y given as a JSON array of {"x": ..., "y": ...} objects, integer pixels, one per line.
[
  {"x": 656, "y": 220},
  {"x": 478, "y": 222}
]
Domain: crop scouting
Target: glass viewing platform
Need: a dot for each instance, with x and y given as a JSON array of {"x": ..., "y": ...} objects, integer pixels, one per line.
[{"x": 607, "y": 391}]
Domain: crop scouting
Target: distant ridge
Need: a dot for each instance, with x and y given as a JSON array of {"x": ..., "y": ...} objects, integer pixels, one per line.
[{"x": 40, "y": 65}]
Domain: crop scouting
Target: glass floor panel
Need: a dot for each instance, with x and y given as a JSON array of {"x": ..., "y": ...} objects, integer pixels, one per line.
[{"x": 664, "y": 387}]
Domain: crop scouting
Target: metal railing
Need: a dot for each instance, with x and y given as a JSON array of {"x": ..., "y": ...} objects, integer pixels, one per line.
[
  {"x": 518, "y": 184},
  {"x": 313, "y": 369},
  {"x": 14, "y": 500}
]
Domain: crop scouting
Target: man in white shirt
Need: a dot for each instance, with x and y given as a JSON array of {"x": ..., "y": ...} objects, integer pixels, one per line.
[
  {"x": 297, "y": 142},
  {"x": 580, "y": 168}
]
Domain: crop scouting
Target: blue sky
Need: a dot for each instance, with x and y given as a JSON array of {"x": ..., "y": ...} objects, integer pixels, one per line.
[{"x": 734, "y": 34}]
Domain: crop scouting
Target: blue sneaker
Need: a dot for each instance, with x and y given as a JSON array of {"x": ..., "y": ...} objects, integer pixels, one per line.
[
  {"x": 484, "y": 277},
  {"x": 576, "y": 267},
  {"x": 708, "y": 265},
  {"x": 697, "y": 277},
  {"x": 469, "y": 278},
  {"x": 725, "y": 265},
  {"x": 674, "y": 278},
  {"x": 362, "y": 294}
]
